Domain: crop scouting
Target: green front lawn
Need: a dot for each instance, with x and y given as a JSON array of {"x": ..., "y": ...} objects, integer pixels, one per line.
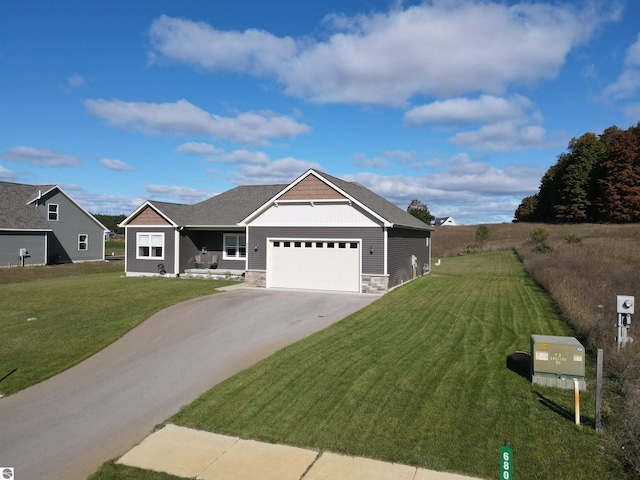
[
  {"x": 51, "y": 324},
  {"x": 420, "y": 378}
]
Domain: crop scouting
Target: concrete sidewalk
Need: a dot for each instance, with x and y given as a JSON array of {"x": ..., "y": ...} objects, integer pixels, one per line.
[{"x": 191, "y": 453}]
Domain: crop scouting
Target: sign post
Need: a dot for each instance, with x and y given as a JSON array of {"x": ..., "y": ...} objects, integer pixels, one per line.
[{"x": 506, "y": 462}]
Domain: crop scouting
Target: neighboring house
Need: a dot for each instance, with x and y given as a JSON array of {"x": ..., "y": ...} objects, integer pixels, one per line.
[
  {"x": 318, "y": 232},
  {"x": 48, "y": 224},
  {"x": 444, "y": 221}
]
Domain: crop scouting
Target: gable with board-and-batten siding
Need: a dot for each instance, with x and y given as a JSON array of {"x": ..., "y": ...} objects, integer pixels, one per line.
[{"x": 313, "y": 203}]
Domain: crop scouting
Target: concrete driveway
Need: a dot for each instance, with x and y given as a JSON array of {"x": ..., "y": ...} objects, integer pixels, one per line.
[{"x": 67, "y": 426}]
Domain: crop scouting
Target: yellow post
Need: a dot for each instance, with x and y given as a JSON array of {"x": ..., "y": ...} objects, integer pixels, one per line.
[{"x": 576, "y": 395}]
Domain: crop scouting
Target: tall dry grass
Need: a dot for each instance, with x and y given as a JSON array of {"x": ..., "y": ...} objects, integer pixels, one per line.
[{"x": 583, "y": 278}]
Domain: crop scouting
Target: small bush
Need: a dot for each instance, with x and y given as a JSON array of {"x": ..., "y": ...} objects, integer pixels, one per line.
[
  {"x": 543, "y": 247},
  {"x": 482, "y": 235},
  {"x": 539, "y": 235},
  {"x": 573, "y": 238}
]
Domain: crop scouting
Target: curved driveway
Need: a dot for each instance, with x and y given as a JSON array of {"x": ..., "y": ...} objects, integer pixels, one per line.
[{"x": 65, "y": 427}]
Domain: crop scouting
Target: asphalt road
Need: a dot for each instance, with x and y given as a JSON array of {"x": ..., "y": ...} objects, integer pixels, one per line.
[{"x": 67, "y": 426}]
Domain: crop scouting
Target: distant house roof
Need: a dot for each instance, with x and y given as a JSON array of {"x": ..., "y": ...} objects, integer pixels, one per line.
[
  {"x": 444, "y": 221},
  {"x": 16, "y": 209},
  {"x": 17, "y": 206}
]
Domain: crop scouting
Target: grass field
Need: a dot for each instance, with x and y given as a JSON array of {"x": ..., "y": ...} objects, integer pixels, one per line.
[
  {"x": 49, "y": 324},
  {"x": 420, "y": 378}
]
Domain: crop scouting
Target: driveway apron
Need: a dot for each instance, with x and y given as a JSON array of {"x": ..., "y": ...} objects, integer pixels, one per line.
[{"x": 67, "y": 426}]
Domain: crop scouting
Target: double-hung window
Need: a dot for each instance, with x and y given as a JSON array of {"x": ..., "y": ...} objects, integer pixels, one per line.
[
  {"x": 235, "y": 246},
  {"x": 150, "y": 245},
  {"x": 52, "y": 212},
  {"x": 83, "y": 241}
]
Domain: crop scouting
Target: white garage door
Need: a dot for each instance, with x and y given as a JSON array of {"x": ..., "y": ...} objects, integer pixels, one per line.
[{"x": 314, "y": 265}]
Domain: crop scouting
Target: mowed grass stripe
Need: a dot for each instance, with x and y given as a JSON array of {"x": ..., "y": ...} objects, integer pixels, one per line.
[{"x": 420, "y": 378}]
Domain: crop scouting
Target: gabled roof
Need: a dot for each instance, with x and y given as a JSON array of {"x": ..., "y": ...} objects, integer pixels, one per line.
[
  {"x": 224, "y": 210},
  {"x": 239, "y": 205},
  {"x": 380, "y": 205},
  {"x": 18, "y": 210},
  {"x": 389, "y": 214}
]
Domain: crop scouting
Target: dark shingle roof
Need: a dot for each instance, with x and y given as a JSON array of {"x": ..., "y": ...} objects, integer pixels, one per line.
[
  {"x": 383, "y": 207},
  {"x": 231, "y": 207},
  {"x": 15, "y": 213},
  {"x": 226, "y": 209}
]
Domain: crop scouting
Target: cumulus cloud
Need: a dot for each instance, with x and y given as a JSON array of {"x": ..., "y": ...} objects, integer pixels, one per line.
[
  {"x": 39, "y": 157},
  {"x": 465, "y": 189},
  {"x": 198, "y": 148},
  {"x": 115, "y": 164},
  {"x": 462, "y": 111},
  {"x": 184, "y": 118},
  {"x": 6, "y": 175},
  {"x": 280, "y": 171},
  {"x": 628, "y": 82},
  {"x": 502, "y": 137},
  {"x": 440, "y": 49},
  {"x": 176, "y": 193}
]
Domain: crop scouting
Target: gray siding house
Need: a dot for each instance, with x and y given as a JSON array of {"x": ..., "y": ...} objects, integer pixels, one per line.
[
  {"x": 47, "y": 224},
  {"x": 319, "y": 232}
]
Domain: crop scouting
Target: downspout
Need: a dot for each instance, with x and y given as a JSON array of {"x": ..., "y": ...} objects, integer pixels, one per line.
[
  {"x": 176, "y": 254},
  {"x": 386, "y": 245}
]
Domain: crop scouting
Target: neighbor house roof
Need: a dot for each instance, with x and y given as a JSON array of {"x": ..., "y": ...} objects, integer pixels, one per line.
[{"x": 16, "y": 209}]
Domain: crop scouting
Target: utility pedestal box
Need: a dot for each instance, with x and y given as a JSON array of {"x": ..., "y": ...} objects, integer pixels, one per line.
[{"x": 557, "y": 361}]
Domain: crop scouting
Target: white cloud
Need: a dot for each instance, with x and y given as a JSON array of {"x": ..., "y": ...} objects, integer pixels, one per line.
[
  {"x": 199, "y": 44},
  {"x": 213, "y": 154},
  {"x": 39, "y": 157},
  {"x": 281, "y": 171},
  {"x": 502, "y": 137},
  {"x": 6, "y": 175},
  {"x": 629, "y": 80},
  {"x": 469, "y": 190},
  {"x": 441, "y": 48},
  {"x": 115, "y": 164},
  {"x": 184, "y": 118},
  {"x": 75, "y": 80},
  {"x": 176, "y": 193},
  {"x": 632, "y": 112},
  {"x": 460, "y": 111},
  {"x": 198, "y": 148}
]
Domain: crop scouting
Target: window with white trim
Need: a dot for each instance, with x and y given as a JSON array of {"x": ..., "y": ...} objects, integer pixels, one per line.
[
  {"x": 83, "y": 241},
  {"x": 150, "y": 245},
  {"x": 235, "y": 246},
  {"x": 52, "y": 212}
]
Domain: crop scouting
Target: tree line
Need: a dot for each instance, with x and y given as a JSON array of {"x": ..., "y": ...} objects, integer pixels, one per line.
[{"x": 596, "y": 180}]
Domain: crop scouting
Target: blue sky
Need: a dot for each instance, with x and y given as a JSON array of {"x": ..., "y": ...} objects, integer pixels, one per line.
[{"x": 460, "y": 104}]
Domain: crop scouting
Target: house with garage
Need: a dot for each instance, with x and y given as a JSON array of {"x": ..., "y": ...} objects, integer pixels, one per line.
[
  {"x": 43, "y": 225},
  {"x": 318, "y": 232}
]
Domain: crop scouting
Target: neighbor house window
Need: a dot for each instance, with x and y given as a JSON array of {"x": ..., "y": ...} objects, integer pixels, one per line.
[
  {"x": 53, "y": 210},
  {"x": 235, "y": 246},
  {"x": 83, "y": 241},
  {"x": 150, "y": 245}
]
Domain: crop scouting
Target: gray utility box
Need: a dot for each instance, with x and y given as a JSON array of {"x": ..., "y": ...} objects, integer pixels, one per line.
[{"x": 557, "y": 361}]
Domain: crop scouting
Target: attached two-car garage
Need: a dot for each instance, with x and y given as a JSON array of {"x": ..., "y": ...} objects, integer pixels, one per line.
[{"x": 314, "y": 264}]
